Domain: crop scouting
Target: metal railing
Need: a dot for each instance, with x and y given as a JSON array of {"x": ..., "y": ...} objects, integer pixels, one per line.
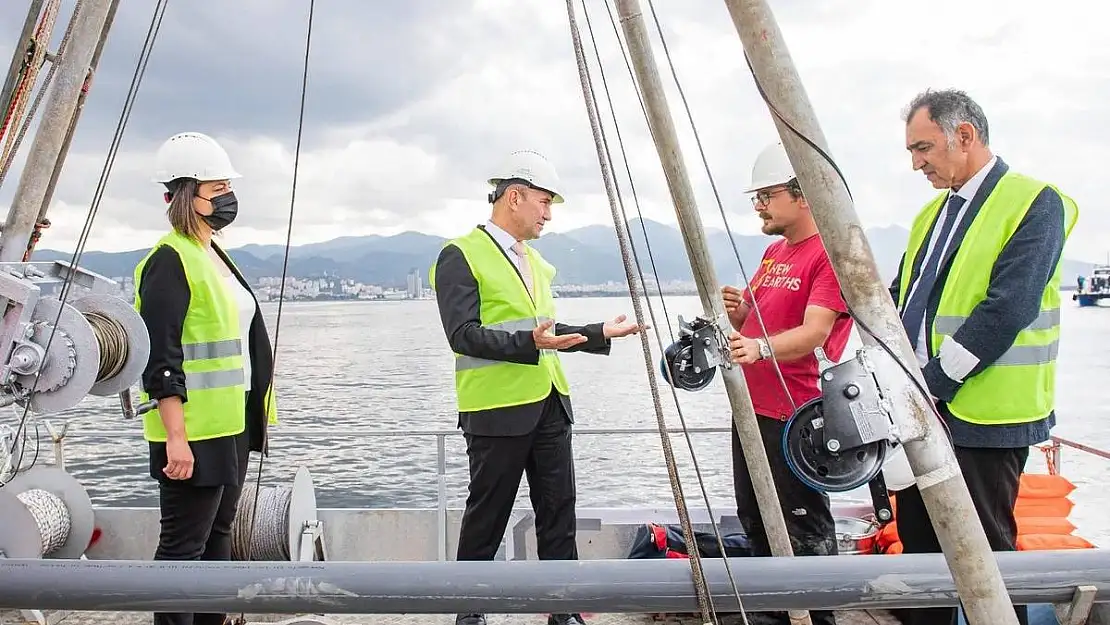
[
  {"x": 58, "y": 437},
  {"x": 1052, "y": 450},
  {"x": 1054, "y": 446}
]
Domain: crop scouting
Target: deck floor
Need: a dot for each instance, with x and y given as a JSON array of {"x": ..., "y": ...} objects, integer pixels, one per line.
[{"x": 874, "y": 617}]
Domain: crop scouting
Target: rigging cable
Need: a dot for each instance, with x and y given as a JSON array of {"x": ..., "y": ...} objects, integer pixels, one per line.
[
  {"x": 16, "y": 111},
  {"x": 704, "y": 599},
  {"x": 776, "y": 113},
  {"x": 728, "y": 231},
  {"x": 94, "y": 208},
  {"x": 851, "y": 313},
  {"x": 274, "y": 513},
  {"x": 628, "y": 65},
  {"x": 678, "y": 407},
  {"x": 631, "y": 183},
  {"x": 701, "y": 587},
  {"x": 720, "y": 206}
]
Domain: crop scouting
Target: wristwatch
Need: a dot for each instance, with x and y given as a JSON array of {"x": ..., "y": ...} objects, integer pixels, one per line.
[{"x": 764, "y": 349}]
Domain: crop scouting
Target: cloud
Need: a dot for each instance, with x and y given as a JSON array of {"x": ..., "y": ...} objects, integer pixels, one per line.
[{"x": 411, "y": 105}]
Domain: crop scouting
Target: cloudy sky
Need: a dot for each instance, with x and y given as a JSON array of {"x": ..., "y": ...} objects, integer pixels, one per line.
[{"x": 412, "y": 104}]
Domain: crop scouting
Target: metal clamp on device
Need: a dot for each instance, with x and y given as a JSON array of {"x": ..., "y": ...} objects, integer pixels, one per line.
[
  {"x": 839, "y": 441},
  {"x": 127, "y": 405},
  {"x": 691, "y": 362}
]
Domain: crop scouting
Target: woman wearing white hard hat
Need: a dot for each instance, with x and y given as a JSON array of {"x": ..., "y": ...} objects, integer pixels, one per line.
[{"x": 210, "y": 367}]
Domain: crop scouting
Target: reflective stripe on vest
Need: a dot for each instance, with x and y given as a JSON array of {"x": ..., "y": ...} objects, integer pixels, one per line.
[
  {"x": 1019, "y": 386},
  {"x": 473, "y": 362},
  {"x": 1017, "y": 354},
  {"x": 212, "y": 350},
  {"x": 484, "y": 384}
]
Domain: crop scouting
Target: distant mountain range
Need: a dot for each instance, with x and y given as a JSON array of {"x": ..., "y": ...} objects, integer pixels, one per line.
[{"x": 588, "y": 255}]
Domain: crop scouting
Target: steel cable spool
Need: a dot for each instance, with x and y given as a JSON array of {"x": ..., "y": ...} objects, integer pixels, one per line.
[
  {"x": 45, "y": 513},
  {"x": 100, "y": 346},
  {"x": 270, "y": 522},
  {"x": 278, "y": 521},
  {"x": 111, "y": 336}
]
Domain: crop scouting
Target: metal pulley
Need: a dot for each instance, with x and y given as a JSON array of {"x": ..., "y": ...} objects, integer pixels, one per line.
[
  {"x": 56, "y": 353},
  {"x": 691, "y": 362},
  {"x": 839, "y": 441}
]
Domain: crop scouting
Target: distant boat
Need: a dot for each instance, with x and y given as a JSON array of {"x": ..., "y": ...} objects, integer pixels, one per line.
[{"x": 1094, "y": 288}]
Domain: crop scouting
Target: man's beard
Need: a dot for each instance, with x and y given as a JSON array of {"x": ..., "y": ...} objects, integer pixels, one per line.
[{"x": 770, "y": 229}]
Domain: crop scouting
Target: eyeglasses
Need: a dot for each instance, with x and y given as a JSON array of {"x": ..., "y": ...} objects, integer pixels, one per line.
[{"x": 763, "y": 198}]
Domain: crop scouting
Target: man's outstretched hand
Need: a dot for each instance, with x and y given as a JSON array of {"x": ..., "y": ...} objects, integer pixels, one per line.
[
  {"x": 619, "y": 326},
  {"x": 546, "y": 340}
]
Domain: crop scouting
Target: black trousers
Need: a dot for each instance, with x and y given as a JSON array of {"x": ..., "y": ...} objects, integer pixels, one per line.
[
  {"x": 496, "y": 466},
  {"x": 809, "y": 520},
  {"x": 993, "y": 477},
  {"x": 196, "y": 525}
]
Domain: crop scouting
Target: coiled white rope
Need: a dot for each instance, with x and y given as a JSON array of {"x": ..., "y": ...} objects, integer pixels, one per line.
[
  {"x": 271, "y": 524},
  {"x": 51, "y": 515}
]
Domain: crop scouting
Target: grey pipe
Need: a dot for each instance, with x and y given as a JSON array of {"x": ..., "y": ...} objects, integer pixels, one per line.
[{"x": 531, "y": 587}]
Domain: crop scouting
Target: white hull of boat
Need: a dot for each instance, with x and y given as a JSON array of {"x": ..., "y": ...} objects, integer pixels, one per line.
[{"x": 426, "y": 534}]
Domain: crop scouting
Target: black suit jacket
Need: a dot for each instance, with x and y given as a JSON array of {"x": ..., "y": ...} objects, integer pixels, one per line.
[{"x": 459, "y": 305}]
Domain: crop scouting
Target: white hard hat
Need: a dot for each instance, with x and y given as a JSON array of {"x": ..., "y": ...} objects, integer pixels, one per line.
[
  {"x": 533, "y": 168},
  {"x": 192, "y": 155},
  {"x": 772, "y": 168}
]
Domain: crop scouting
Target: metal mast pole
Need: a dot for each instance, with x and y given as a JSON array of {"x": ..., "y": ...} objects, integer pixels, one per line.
[
  {"x": 53, "y": 182},
  {"x": 974, "y": 568},
  {"x": 19, "y": 55},
  {"x": 73, "y": 67},
  {"x": 693, "y": 235}
]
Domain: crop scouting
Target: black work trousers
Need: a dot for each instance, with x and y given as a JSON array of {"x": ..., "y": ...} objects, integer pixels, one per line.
[
  {"x": 993, "y": 477},
  {"x": 496, "y": 465},
  {"x": 809, "y": 520},
  {"x": 196, "y": 525}
]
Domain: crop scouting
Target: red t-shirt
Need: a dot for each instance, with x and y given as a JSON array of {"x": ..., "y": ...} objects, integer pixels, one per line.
[{"x": 790, "y": 278}]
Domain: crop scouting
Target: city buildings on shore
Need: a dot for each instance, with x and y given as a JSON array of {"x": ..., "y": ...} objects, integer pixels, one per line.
[{"x": 268, "y": 288}]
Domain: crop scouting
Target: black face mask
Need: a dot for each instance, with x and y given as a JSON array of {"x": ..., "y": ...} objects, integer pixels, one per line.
[{"x": 224, "y": 209}]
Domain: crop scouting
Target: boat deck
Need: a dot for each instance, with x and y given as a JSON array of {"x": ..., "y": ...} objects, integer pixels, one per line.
[{"x": 855, "y": 617}]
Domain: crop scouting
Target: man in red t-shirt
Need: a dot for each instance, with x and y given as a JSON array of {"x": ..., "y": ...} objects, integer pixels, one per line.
[{"x": 799, "y": 299}]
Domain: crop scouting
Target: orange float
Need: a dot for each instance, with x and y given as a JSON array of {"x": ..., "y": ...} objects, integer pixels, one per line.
[{"x": 1041, "y": 511}]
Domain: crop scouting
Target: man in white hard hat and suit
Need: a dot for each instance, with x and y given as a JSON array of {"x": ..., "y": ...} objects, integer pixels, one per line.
[
  {"x": 799, "y": 299},
  {"x": 498, "y": 313}
]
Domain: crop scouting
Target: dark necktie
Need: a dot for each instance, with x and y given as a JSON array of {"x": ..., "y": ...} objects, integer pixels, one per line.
[{"x": 913, "y": 315}]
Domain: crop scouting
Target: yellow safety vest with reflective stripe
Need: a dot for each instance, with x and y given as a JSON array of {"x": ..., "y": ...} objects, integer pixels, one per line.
[
  {"x": 1020, "y": 386},
  {"x": 212, "y": 348},
  {"x": 482, "y": 384}
]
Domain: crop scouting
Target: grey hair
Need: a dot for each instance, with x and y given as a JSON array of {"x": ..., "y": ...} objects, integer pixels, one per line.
[{"x": 948, "y": 108}]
